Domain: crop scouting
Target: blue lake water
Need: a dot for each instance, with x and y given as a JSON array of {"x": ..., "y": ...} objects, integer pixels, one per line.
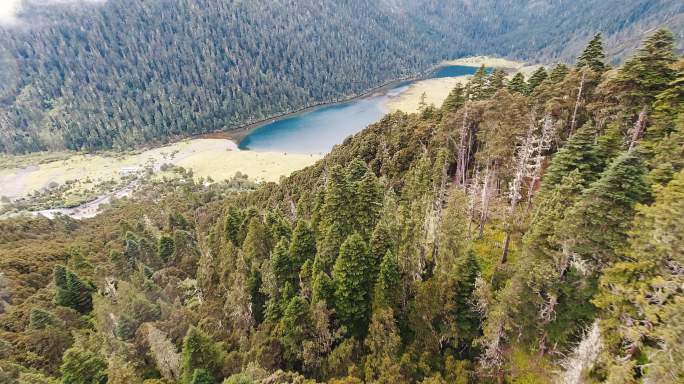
[{"x": 319, "y": 129}]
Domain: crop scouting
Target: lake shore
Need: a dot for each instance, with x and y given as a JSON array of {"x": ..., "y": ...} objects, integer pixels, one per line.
[
  {"x": 217, "y": 158},
  {"x": 437, "y": 90}
]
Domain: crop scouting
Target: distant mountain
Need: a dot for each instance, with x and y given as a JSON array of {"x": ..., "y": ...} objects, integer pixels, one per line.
[{"x": 118, "y": 73}]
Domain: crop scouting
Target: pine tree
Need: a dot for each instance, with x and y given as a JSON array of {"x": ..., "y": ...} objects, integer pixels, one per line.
[
  {"x": 578, "y": 153},
  {"x": 202, "y": 376},
  {"x": 517, "y": 84},
  {"x": 381, "y": 241},
  {"x": 453, "y": 233},
  {"x": 165, "y": 248},
  {"x": 593, "y": 56},
  {"x": 387, "y": 292},
  {"x": 200, "y": 352},
  {"x": 71, "y": 291},
  {"x": 39, "y": 319},
  {"x": 83, "y": 367},
  {"x": 649, "y": 72},
  {"x": 295, "y": 328},
  {"x": 283, "y": 267},
  {"x": 351, "y": 280},
  {"x": 597, "y": 224},
  {"x": 476, "y": 89},
  {"x": 558, "y": 73},
  {"x": 641, "y": 304},
  {"x": 337, "y": 208},
  {"x": 368, "y": 205},
  {"x": 536, "y": 79},
  {"x": 255, "y": 245},
  {"x": 495, "y": 81},
  {"x": 303, "y": 244},
  {"x": 455, "y": 99},
  {"x": 466, "y": 319},
  {"x": 323, "y": 289}
]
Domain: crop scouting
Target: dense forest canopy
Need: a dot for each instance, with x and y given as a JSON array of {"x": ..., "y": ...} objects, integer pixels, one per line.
[
  {"x": 527, "y": 231},
  {"x": 88, "y": 75}
]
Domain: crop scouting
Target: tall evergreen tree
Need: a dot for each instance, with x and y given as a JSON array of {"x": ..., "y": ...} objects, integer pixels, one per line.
[
  {"x": 639, "y": 294},
  {"x": 578, "y": 153},
  {"x": 558, "y": 73},
  {"x": 368, "y": 205},
  {"x": 597, "y": 224},
  {"x": 303, "y": 244},
  {"x": 295, "y": 328},
  {"x": 200, "y": 352},
  {"x": 387, "y": 292},
  {"x": 455, "y": 99},
  {"x": 593, "y": 56},
  {"x": 476, "y": 89},
  {"x": 649, "y": 72},
  {"x": 71, "y": 291},
  {"x": 536, "y": 79},
  {"x": 83, "y": 367},
  {"x": 517, "y": 84},
  {"x": 351, "y": 279}
]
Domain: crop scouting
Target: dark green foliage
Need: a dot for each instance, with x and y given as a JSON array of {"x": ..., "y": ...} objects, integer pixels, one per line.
[
  {"x": 83, "y": 367},
  {"x": 202, "y": 376},
  {"x": 454, "y": 100},
  {"x": 477, "y": 88},
  {"x": 536, "y": 79},
  {"x": 597, "y": 224},
  {"x": 495, "y": 81},
  {"x": 577, "y": 154},
  {"x": 517, "y": 84},
  {"x": 303, "y": 244},
  {"x": 649, "y": 72},
  {"x": 352, "y": 284},
  {"x": 200, "y": 352},
  {"x": 323, "y": 289},
  {"x": 295, "y": 325},
  {"x": 255, "y": 245},
  {"x": 593, "y": 56},
  {"x": 466, "y": 318},
  {"x": 165, "y": 248},
  {"x": 368, "y": 203},
  {"x": 283, "y": 266},
  {"x": 40, "y": 319},
  {"x": 71, "y": 291},
  {"x": 558, "y": 73},
  {"x": 257, "y": 297},
  {"x": 388, "y": 286},
  {"x": 232, "y": 224}
]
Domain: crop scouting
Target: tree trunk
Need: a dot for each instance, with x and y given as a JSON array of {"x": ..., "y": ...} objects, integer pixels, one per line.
[{"x": 573, "y": 122}]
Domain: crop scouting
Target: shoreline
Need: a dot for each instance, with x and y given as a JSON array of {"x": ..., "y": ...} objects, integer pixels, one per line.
[{"x": 239, "y": 133}]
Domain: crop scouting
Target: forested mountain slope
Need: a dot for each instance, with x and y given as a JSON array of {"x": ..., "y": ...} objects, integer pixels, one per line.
[
  {"x": 524, "y": 232},
  {"x": 116, "y": 73}
]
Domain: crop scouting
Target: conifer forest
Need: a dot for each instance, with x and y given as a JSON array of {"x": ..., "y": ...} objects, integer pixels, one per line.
[{"x": 528, "y": 230}]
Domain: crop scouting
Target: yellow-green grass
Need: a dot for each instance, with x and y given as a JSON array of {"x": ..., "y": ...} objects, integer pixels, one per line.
[
  {"x": 216, "y": 158},
  {"x": 435, "y": 90}
]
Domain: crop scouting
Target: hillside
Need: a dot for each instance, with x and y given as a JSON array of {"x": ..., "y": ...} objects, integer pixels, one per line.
[
  {"x": 524, "y": 232},
  {"x": 121, "y": 73}
]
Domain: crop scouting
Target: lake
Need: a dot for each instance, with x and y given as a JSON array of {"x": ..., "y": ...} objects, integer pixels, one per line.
[{"x": 318, "y": 130}]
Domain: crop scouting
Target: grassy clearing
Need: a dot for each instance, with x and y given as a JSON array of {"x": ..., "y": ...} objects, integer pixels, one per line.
[{"x": 219, "y": 159}]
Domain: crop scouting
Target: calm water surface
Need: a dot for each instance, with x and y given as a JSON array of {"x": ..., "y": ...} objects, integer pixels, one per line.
[{"x": 318, "y": 130}]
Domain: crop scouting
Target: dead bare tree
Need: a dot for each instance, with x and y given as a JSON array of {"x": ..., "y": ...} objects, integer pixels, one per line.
[
  {"x": 573, "y": 122},
  {"x": 522, "y": 158},
  {"x": 541, "y": 143},
  {"x": 639, "y": 127}
]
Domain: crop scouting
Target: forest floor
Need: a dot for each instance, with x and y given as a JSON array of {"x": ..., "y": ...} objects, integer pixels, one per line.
[
  {"x": 82, "y": 174},
  {"x": 437, "y": 90}
]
